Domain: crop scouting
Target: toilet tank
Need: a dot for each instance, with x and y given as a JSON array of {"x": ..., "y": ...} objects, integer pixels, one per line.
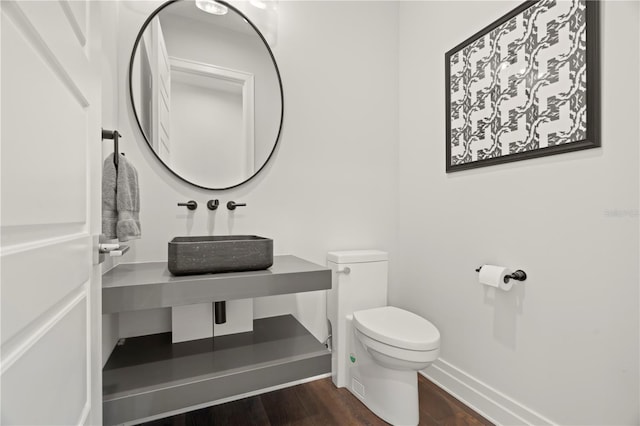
[{"x": 364, "y": 286}]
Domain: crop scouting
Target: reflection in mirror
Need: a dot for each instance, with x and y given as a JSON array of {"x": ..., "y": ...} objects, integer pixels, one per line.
[{"x": 207, "y": 94}]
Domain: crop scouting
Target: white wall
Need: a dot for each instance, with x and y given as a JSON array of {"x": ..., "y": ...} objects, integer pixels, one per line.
[
  {"x": 331, "y": 183},
  {"x": 206, "y": 128},
  {"x": 564, "y": 344}
]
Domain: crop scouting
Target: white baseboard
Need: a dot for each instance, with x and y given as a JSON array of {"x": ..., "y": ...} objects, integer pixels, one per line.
[{"x": 482, "y": 398}]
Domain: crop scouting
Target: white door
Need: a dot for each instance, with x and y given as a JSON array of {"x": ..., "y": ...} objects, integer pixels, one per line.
[
  {"x": 162, "y": 101},
  {"x": 50, "y": 287}
]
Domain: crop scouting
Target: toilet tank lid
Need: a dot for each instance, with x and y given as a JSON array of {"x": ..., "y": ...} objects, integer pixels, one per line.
[{"x": 357, "y": 256}]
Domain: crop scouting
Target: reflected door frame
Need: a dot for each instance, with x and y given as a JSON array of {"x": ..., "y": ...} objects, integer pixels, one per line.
[{"x": 242, "y": 79}]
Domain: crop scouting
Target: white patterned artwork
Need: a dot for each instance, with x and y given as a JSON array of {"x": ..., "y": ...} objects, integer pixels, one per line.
[{"x": 526, "y": 86}]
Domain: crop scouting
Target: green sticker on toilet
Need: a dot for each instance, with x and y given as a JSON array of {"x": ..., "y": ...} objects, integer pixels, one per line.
[{"x": 352, "y": 358}]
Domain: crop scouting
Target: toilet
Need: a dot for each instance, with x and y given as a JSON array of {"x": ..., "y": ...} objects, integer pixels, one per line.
[{"x": 376, "y": 350}]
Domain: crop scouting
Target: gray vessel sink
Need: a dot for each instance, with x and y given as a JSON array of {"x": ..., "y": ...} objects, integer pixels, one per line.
[{"x": 219, "y": 253}]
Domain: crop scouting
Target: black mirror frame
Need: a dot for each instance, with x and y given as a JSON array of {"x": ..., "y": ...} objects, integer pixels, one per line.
[{"x": 135, "y": 112}]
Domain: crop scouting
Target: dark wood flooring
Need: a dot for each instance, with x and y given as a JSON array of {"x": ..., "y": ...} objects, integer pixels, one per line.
[{"x": 321, "y": 403}]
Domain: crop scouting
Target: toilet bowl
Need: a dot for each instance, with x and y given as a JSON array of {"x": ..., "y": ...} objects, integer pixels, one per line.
[
  {"x": 377, "y": 350},
  {"x": 396, "y": 338}
]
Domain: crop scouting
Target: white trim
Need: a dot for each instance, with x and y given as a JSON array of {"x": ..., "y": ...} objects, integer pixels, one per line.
[
  {"x": 482, "y": 398},
  {"x": 228, "y": 399},
  {"x": 78, "y": 31},
  {"x": 36, "y": 244},
  {"x": 208, "y": 70},
  {"x": 241, "y": 78},
  {"x": 84, "y": 416},
  {"x": 86, "y": 411},
  {"x": 16, "y": 353}
]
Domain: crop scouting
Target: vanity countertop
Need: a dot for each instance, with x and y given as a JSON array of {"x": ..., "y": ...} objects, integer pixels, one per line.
[{"x": 135, "y": 286}]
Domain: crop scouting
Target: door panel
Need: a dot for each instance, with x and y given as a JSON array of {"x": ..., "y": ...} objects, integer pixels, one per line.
[
  {"x": 47, "y": 27},
  {"x": 41, "y": 146},
  {"x": 50, "y": 186},
  {"x": 62, "y": 382},
  {"x": 37, "y": 287}
]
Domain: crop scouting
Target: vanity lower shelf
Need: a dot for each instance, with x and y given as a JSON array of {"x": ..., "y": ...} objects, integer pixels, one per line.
[
  {"x": 136, "y": 286},
  {"x": 148, "y": 376}
]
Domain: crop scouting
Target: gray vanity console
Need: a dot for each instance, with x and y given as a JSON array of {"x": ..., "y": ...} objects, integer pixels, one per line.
[
  {"x": 148, "y": 376},
  {"x": 135, "y": 286}
]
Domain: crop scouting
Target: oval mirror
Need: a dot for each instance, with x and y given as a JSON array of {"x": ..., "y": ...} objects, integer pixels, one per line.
[{"x": 206, "y": 92}]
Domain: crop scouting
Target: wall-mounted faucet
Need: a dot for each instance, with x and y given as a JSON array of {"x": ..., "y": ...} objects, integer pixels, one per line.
[
  {"x": 231, "y": 205},
  {"x": 191, "y": 205},
  {"x": 213, "y": 204}
]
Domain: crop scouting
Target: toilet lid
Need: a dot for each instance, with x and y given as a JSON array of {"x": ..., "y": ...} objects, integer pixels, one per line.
[{"x": 397, "y": 327}]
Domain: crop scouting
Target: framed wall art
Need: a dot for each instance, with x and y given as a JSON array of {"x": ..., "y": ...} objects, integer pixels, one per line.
[{"x": 525, "y": 86}]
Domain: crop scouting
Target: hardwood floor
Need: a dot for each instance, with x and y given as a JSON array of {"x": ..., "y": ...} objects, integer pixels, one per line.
[{"x": 321, "y": 403}]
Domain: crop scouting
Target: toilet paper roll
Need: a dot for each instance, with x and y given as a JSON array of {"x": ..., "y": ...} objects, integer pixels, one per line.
[{"x": 494, "y": 276}]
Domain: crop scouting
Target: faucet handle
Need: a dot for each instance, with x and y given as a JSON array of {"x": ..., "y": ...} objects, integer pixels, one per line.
[
  {"x": 191, "y": 205},
  {"x": 231, "y": 205}
]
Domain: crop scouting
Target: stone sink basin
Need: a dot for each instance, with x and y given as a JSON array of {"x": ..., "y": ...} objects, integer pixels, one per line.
[{"x": 222, "y": 253}]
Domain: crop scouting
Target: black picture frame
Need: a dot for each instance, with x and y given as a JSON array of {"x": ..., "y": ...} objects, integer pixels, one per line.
[{"x": 592, "y": 95}]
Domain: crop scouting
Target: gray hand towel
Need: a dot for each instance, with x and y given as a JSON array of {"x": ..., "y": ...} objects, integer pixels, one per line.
[{"x": 120, "y": 200}]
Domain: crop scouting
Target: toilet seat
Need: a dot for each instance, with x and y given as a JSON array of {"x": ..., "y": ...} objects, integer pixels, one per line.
[
  {"x": 394, "y": 357},
  {"x": 396, "y": 327}
]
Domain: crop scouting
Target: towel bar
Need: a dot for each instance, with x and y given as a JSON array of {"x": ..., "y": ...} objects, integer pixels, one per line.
[{"x": 115, "y": 135}]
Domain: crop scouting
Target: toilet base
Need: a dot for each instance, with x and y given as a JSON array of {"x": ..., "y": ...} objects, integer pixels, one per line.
[{"x": 390, "y": 394}]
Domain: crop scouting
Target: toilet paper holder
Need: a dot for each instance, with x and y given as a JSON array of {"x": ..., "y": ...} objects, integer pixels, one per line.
[{"x": 518, "y": 275}]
